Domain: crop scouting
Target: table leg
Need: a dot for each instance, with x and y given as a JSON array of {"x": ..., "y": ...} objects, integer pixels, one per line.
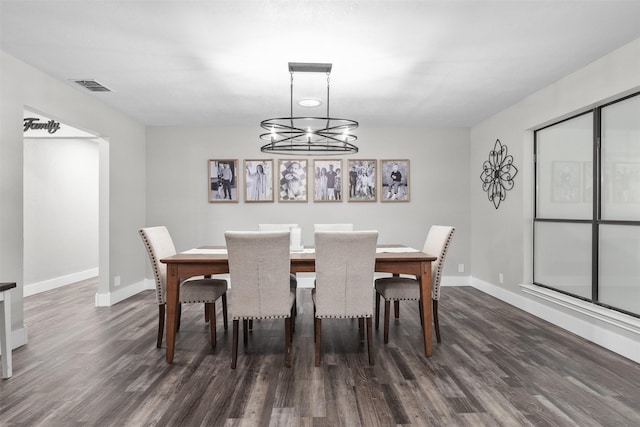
[
  {"x": 173, "y": 295},
  {"x": 425, "y": 301},
  {"x": 5, "y": 333}
]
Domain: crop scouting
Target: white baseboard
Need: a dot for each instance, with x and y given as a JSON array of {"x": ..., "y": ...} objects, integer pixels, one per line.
[
  {"x": 608, "y": 328},
  {"x": 57, "y": 282},
  {"x": 18, "y": 338},
  {"x": 110, "y": 298}
]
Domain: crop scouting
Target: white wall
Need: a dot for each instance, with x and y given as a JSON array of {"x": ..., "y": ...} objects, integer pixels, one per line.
[
  {"x": 177, "y": 188},
  {"x": 123, "y": 157},
  {"x": 501, "y": 240},
  {"x": 60, "y": 211}
]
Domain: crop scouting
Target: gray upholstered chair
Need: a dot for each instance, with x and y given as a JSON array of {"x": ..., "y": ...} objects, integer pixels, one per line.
[
  {"x": 345, "y": 263},
  {"x": 333, "y": 227},
  {"x": 259, "y": 266},
  {"x": 159, "y": 245},
  {"x": 281, "y": 227},
  {"x": 406, "y": 288}
]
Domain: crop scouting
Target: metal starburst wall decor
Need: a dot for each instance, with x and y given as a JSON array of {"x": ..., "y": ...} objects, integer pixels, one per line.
[{"x": 497, "y": 174}]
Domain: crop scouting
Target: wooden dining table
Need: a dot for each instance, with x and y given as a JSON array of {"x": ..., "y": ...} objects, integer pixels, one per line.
[{"x": 210, "y": 260}]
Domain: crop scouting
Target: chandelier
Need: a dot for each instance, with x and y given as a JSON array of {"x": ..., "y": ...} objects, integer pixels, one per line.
[{"x": 311, "y": 136}]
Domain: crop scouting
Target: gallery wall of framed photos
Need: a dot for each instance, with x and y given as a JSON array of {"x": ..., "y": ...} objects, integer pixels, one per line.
[{"x": 302, "y": 180}]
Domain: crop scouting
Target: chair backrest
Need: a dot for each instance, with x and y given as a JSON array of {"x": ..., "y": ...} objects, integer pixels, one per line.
[
  {"x": 259, "y": 264},
  {"x": 345, "y": 264},
  {"x": 437, "y": 243},
  {"x": 333, "y": 227},
  {"x": 159, "y": 245},
  {"x": 276, "y": 227}
]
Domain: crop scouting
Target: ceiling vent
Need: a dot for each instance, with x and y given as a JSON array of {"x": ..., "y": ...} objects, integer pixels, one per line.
[{"x": 92, "y": 85}]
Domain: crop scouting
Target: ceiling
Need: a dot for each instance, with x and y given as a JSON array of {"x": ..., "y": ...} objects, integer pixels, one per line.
[{"x": 395, "y": 63}]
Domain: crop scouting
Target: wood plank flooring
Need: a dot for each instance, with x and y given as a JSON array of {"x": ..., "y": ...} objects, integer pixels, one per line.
[{"x": 496, "y": 366}]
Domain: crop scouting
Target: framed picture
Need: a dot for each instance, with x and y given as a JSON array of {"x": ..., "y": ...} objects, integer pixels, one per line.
[
  {"x": 566, "y": 184},
  {"x": 258, "y": 181},
  {"x": 362, "y": 180},
  {"x": 292, "y": 180},
  {"x": 327, "y": 180},
  {"x": 223, "y": 181},
  {"x": 394, "y": 180}
]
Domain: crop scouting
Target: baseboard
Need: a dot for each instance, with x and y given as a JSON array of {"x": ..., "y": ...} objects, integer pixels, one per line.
[
  {"x": 58, "y": 282},
  {"x": 110, "y": 298},
  {"x": 608, "y": 328},
  {"x": 18, "y": 338}
]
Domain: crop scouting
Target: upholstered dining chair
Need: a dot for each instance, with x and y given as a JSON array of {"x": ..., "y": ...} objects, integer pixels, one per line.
[
  {"x": 293, "y": 279},
  {"x": 259, "y": 264},
  {"x": 345, "y": 264},
  {"x": 159, "y": 245},
  {"x": 407, "y": 288},
  {"x": 333, "y": 227},
  {"x": 281, "y": 227}
]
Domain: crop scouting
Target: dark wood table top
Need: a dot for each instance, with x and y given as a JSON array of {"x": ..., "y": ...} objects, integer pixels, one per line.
[{"x": 5, "y": 286}]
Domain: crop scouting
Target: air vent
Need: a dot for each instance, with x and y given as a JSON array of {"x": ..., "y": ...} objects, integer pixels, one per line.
[{"x": 92, "y": 85}]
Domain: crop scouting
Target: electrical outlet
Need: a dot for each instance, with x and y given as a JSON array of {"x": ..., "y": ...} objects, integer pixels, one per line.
[
  {"x": 460, "y": 268},
  {"x": 501, "y": 278},
  {"x": 116, "y": 281}
]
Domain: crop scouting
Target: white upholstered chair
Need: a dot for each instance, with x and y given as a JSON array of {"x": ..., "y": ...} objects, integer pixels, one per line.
[
  {"x": 406, "y": 288},
  {"x": 259, "y": 265},
  {"x": 159, "y": 245},
  {"x": 345, "y": 264},
  {"x": 333, "y": 227}
]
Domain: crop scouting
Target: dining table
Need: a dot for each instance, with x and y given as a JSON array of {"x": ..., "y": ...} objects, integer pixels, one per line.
[{"x": 211, "y": 260}]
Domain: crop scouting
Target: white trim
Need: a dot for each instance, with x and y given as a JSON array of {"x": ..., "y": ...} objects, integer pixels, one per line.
[
  {"x": 111, "y": 298},
  {"x": 612, "y": 330},
  {"x": 19, "y": 337},
  {"x": 58, "y": 282},
  {"x": 455, "y": 281}
]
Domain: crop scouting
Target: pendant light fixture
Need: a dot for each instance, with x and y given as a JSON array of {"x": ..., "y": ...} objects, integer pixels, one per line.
[{"x": 311, "y": 136}]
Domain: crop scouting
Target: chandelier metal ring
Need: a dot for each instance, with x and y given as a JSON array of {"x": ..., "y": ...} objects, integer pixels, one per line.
[{"x": 309, "y": 135}]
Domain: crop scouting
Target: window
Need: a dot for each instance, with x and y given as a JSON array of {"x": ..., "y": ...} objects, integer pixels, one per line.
[{"x": 587, "y": 206}]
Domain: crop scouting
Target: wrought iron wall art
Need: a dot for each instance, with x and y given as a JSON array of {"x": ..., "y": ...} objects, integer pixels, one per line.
[{"x": 498, "y": 173}]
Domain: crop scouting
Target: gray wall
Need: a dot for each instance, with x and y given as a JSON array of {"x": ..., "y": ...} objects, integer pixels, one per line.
[
  {"x": 60, "y": 208},
  {"x": 177, "y": 188},
  {"x": 501, "y": 240},
  {"x": 122, "y": 164}
]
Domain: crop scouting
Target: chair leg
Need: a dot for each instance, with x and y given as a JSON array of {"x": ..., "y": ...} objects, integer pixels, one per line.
[
  {"x": 318, "y": 334},
  {"x": 287, "y": 341},
  {"x": 293, "y": 320},
  {"x": 224, "y": 311},
  {"x": 251, "y": 324},
  {"x": 234, "y": 345},
  {"x": 245, "y": 332},
  {"x": 210, "y": 308},
  {"x": 421, "y": 313},
  {"x": 206, "y": 313},
  {"x": 396, "y": 309},
  {"x": 387, "y": 309},
  {"x": 361, "y": 328},
  {"x": 378, "y": 296},
  {"x": 179, "y": 316},
  {"x": 369, "y": 342},
  {"x": 435, "y": 320},
  {"x": 161, "y": 309}
]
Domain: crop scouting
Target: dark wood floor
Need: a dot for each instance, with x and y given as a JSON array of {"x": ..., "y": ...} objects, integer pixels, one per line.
[{"x": 496, "y": 366}]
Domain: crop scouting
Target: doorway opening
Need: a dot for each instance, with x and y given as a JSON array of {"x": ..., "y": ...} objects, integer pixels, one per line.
[{"x": 65, "y": 204}]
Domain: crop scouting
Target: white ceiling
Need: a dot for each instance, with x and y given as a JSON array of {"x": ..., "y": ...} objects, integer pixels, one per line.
[{"x": 395, "y": 63}]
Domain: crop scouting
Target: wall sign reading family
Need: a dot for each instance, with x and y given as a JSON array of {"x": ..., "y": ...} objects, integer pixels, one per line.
[{"x": 327, "y": 180}]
